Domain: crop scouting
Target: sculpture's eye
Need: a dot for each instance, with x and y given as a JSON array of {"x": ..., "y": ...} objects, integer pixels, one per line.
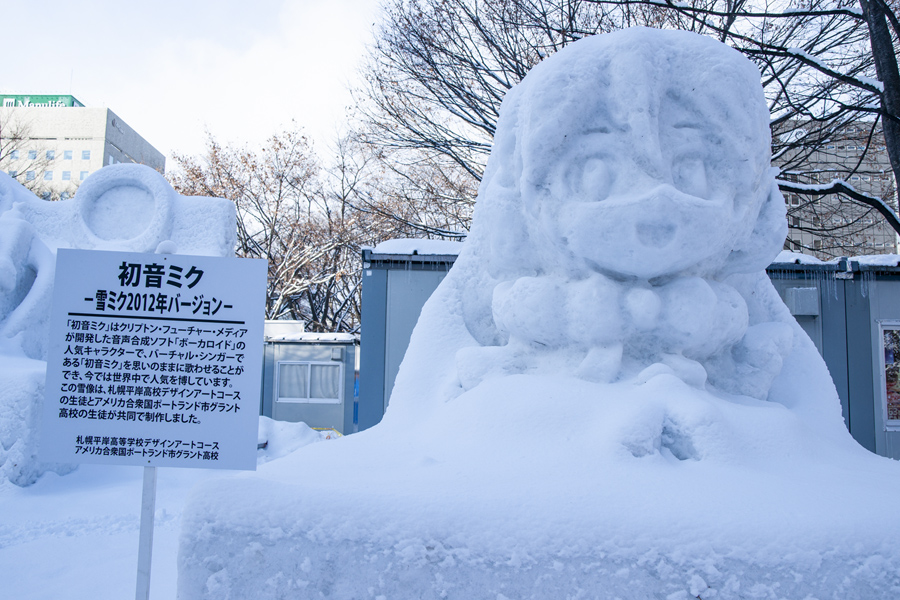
[
  {"x": 594, "y": 182},
  {"x": 689, "y": 176}
]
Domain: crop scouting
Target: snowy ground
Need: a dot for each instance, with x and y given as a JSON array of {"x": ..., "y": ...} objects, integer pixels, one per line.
[{"x": 75, "y": 537}]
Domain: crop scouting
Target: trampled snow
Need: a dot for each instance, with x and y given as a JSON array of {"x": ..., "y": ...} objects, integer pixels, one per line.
[
  {"x": 605, "y": 398},
  {"x": 75, "y": 537}
]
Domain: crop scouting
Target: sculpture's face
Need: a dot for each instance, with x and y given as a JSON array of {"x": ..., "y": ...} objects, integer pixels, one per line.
[{"x": 645, "y": 185}]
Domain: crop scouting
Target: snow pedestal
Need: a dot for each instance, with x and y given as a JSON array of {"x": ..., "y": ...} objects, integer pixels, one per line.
[
  {"x": 491, "y": 498},
  {"x": 605, "y": 397},
  {"x": 121, "y": 207}
]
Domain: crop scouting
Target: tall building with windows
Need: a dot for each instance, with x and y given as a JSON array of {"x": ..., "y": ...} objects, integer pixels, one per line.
[
  {"x": 52, "y": 143},
  {"x": 834, "y": 225}
]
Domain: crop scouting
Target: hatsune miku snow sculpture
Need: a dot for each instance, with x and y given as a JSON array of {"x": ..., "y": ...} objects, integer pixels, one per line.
[
  {"x": 625, "y": 221},
  {"x": 621, "y": 233},
  {"x": 604, "y": 393}
]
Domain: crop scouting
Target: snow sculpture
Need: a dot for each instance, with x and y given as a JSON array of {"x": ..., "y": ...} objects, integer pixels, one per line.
[
  {"x": 604, "y": 397},
  {"x": 621, "y": 234},
  {"x": 121, "y": 207},
  {"x": 629, "y": 221}
]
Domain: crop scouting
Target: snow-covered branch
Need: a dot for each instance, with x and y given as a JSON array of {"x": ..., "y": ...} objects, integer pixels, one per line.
[{"x": 839, "y": 186}]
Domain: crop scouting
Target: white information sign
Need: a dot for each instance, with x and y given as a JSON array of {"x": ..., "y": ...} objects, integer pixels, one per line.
[{"x": 154, "y": 360}]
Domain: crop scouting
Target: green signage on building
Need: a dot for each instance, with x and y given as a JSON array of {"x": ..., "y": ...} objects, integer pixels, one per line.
[{"x": 35, "y": 100}]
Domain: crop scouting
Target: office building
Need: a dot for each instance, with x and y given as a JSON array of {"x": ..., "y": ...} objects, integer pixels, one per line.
[
  {"x": 52, "y": 143},
  {"x": 834, "y": 225}
]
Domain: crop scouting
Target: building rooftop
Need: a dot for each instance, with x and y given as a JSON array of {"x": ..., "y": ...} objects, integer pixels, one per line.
[{"x": 39, "y": 100}]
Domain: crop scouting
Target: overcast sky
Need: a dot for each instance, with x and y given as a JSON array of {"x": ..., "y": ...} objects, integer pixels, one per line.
[{"x": 173, "y": 68}]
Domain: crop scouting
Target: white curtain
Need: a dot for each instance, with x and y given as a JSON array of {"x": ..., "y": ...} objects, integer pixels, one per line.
[
  {"x": 292, "y": 381},
  {"x": 325, "y": 382}
]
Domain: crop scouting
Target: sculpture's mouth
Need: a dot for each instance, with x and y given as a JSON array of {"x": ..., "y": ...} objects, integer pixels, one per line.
[{"x": 655, "y": 233}]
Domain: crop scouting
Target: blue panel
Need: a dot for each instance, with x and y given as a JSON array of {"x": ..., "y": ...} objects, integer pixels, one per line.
[
  {"x": 834, "y": 340},
  {"x": 351, "y": 392},
  {"x": 860, "y": 366},
  {"x": 372, "y": 348},
  {"x": 268, "y": 382},
  {"x": 407, "y": 292},
  {"x": 884, "y": 300}
]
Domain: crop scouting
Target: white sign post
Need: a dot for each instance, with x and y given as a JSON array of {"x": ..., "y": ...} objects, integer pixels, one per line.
[{"x": 154, "y": 360}]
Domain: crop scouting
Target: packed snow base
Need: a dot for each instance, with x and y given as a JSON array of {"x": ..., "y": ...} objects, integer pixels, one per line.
[
  {"x": 122, "y": 207},
  {"x": 493, "y": 495},
  {"x": 605, "y": 398}
]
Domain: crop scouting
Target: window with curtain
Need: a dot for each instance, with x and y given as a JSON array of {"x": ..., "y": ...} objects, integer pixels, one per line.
[
  {"x": 324, "y": 382},
  {"x": 309, "y": 383}
]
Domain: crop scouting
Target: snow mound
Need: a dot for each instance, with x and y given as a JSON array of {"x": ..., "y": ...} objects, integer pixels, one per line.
[
  {"x": 878, "y": 260},
  {"x": 796, "y": 258},
  {"x": 605, "y": 397},
  {"x": 280, "y": 438},
  {"x": 418, "y": 246},
  {"x": 120, "y": 207}
]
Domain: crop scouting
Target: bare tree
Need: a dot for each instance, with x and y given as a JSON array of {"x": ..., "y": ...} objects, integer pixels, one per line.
[
  {"x": 285, "y": 217},
  {"x": 20, "y": 157},
  {"x": 413, "y": 193},
  {"x": 829, "y": 69},
  {"x": 434, "y": 83},
  {"x": 440, "y": 68}
]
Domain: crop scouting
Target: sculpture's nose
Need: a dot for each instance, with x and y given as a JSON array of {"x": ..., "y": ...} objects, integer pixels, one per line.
[
  {"x": 656, "y": 226},
  {"x": 655, "y": 232}
]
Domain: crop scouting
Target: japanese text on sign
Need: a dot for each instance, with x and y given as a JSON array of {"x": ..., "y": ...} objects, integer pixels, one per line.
[{"x": 150, "y": 360}]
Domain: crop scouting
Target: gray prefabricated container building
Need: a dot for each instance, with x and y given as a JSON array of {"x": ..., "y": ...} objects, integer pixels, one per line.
[
  {"x": 850, "y": 308},
  {"x": 397, "y": 280},
  {"x": 309, "y": 377}
]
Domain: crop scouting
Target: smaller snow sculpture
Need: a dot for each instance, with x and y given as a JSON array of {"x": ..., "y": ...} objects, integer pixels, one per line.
[
  {"x": 128, "y": 208},
  {"x": 628, "y": 197},
  {"x": 121, "y": 207}
]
